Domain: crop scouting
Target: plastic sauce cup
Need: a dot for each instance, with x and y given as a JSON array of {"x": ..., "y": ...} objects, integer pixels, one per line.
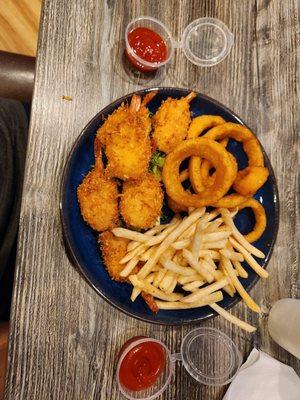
[{"x": 159, "y": 28}]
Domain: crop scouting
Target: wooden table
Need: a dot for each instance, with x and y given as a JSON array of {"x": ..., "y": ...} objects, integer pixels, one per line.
[{"x": 63, "y": 335}]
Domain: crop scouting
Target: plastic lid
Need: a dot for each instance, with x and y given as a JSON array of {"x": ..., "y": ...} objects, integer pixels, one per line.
[
  {"x": 210, "y": 356},
  {"x": 207, "y": 41}
]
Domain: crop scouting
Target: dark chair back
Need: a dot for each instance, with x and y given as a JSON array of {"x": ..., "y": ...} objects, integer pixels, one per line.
[{"x": 16, "y": 76}]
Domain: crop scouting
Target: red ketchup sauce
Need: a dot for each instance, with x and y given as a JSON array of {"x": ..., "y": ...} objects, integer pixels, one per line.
[
  {"x": 142, "y": 365},
  {"x": 148, "y": 45}
]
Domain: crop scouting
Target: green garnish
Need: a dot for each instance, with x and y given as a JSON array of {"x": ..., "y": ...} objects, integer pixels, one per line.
[{"x": 156, "y": 163}]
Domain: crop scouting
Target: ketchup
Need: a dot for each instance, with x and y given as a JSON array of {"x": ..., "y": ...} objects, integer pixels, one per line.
[
  {"x": 147, "y": 45},
  {"x": 142, "y": 365}
]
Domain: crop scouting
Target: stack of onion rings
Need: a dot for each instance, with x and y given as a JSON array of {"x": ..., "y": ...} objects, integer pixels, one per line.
[
  {"x": 207, "y": 152},
  {"x": 248, "y": 180},
  {"x": 205, "y": 148}
]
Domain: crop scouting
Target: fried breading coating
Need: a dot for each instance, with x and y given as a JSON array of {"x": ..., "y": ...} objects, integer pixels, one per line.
[
  {"x": 113, "y": 250},
  {"x": 141, "y": 202},
  {"x": 98, "y": 198},
  {"x": 125, "y": 136},
  {"x": 149, "y": 300},
  {"x": 171, "y": 122}
]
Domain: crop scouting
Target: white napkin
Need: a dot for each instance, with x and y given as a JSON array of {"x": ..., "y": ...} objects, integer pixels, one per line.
[{"x": 262, "y": 377}]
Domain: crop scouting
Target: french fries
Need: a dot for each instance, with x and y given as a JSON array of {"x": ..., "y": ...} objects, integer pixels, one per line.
[
  {"x": 232, "y": 255},
  {"x": 177, "y": 305},
  {"x": 129, "y": 267},
  {"x": 197, "y": 242},
  {"x": 238, "y": 236},
  {"x": 200, "y": 268},
  {"x": 239, "y": 287},
  {"x": 201, "y": 253},
  {"x": 231, "y": 318},
  {"x": 189, "y": 287},
  {"x": 131, "y": 235},
  {"x": 172, "y": 266},
  {"x": 148, "y": 288},
  {"x": 136, "y": 291},
  {"x": 205, "y": 291},
  {"x": 250, "y": 260},
  {"x": 193, "y": 217}
]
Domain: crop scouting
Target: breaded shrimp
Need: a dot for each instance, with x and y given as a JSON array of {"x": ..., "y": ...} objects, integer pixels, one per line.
[
  {"x": 141, "y": 202},
  {"x": 171, "y": 122},
  {"x": 98, "y": 198},
  {"x": 113, "y": 250},
  {"x": 125, "y": 136}
]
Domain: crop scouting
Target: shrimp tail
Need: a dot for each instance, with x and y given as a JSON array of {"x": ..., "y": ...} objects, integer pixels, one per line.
[
  {"x": 148, "y": 97},
  {"x": 98, "y": 156},
  {"x": 135, "y": 103},
  {"x": 190, "y": 96}
]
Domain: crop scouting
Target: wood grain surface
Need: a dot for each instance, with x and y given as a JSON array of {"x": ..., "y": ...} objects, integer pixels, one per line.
[
  {"x": 64, "y": 337},
  {"x": 19, "y": 25}
]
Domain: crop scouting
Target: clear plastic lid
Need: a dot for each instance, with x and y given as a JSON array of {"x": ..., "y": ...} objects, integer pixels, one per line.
[
  {"x": 205, "y": 41},
  {"x": 210, "y": 356},
  {"x": 207, "y": 354}
]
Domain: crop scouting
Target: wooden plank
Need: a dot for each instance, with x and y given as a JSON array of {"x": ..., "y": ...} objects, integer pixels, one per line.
[{"x": 64, "y": 337}]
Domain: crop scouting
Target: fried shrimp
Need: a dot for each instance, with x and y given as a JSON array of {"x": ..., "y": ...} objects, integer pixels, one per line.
[
  {"x": 113, "y": 250},
  {"x": 125, "y": 136},
  {"x": 98, "y": 198},
  {"x": 141, "y": 202},
  {"x": 171, "y": 122}
]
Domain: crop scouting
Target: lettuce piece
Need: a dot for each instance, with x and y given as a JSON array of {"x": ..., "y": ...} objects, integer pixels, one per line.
[{"x": 156, "y": 164}]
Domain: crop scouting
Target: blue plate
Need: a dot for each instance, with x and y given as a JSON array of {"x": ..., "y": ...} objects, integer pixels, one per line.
[{"x": 81, "y": 240}]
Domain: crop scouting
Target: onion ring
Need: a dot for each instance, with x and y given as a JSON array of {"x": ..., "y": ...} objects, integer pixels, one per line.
[
  {"x": 260, "y": 219},
  {"x": 250, "y": 179},
  {"x": 197, "y": 127},
  {"x": 241, "y": 134},
  {"x": 231, "y": 201},
  {"x": 255, "y": 156},
  {"x": 254, "y": 153},
  {"x": 204, "y": 148},
  {"x": 205, "y": 167},
  {"x": 203, "y": 122},
  {"x": 184, "y": 175}
]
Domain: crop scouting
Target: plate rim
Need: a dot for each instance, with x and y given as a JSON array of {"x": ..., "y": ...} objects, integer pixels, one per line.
[{"x": 87, "y": 276}]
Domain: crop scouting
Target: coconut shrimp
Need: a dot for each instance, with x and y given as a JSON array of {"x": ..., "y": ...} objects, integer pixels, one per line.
[
  {"x": 171, "y": 122},
  {"x": 98, "y": 198},
  {"x": 141, "y": 202},
  {"x": 125, "y": 136}
]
